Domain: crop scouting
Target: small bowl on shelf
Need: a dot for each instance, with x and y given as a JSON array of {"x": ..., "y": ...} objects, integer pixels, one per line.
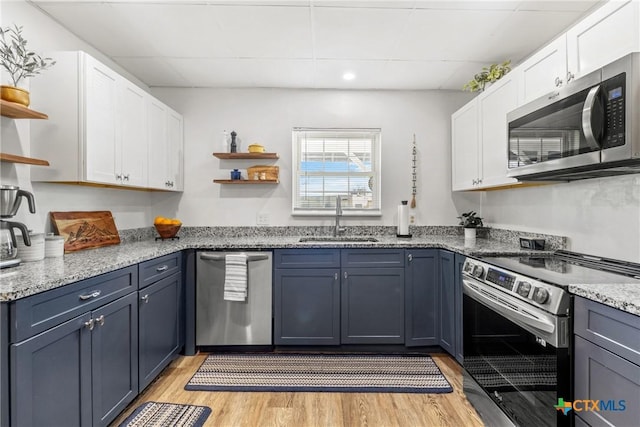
[{"x": 167, "y": 231}]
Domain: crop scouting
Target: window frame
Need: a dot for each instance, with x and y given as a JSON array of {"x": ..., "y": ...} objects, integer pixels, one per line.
[{"x": 376, "y": 155}]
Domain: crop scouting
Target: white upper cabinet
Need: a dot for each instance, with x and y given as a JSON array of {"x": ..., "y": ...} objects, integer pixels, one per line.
[
  {"x": 465, "y": 147},
  {"x": 493, "y": 108},
  {"x": 543, "y": 71},
  {"x": 99, "y": 125},
  {"x": 165, "y": 147},
  {"x": 609, "y": 33},
  {"x": 479, "y": 138}
]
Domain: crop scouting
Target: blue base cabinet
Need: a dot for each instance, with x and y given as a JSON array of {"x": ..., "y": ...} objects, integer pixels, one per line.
[
  {"x": 421, "y": 298},
  {"x": 447, "y": 332},
  {"x": 160, "y": 314},
  {"x": 457, "y": 285},
  {"x": 333, "y": 296},
  {"x": 372, "y": 306},
  {"x": 82, "y": 372},
  {"x": 307, "y": 306},
  {"x": 606, "y": 363}
]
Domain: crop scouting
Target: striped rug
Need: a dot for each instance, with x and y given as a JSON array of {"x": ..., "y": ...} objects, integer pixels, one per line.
[
  {"x": 319, "y": 372},
  {"x": 157, "y": 414}
]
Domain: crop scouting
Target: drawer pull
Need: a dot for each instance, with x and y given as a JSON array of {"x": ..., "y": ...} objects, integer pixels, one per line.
[
  {"x": 100, "y": 320},
  {"x": 163, "y": 268},
  {"x": 94, "y": 294},
  {"x": 145, "y": 299},
  {"x": 89, "y": 324}
]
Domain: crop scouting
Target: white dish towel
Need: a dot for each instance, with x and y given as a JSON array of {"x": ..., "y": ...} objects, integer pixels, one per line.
[{"x": 235, "y": 277}]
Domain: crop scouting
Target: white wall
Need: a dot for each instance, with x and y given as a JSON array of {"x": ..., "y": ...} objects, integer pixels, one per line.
[
  {"x": 600, "y": 216},
  {"x": 267, "y": 116}
]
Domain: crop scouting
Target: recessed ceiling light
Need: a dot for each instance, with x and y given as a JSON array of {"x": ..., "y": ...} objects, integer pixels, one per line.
[{"x": 348, "y": 76}]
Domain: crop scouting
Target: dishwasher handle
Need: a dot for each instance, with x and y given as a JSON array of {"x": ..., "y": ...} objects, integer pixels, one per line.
[{"x": 220, "y": 257}]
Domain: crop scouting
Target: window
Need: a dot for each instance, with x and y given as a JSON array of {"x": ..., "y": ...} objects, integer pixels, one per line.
[{"x": 336, "y": 162}]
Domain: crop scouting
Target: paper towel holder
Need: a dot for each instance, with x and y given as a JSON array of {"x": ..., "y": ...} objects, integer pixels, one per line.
[{"x": 404, "y": 236}]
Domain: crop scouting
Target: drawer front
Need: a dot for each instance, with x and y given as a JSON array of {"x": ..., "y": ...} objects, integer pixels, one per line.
[
  {"x": 372, "y": 258},
  {"x": 158, "y": 268},
  {"x": 37, "y": 313},
  {"x": 603, "y": 376},
  {"x": 615, "y": 330},
  {"x": 307, "y": 258}
]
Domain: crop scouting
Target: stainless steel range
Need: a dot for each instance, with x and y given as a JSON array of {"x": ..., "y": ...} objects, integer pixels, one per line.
[{"x": 517, "y": 332}]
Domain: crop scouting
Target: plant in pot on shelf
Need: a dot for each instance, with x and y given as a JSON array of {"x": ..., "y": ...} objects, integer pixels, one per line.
[
  {"x": 490, "y": 74},
  {"x": 19, "y": 63},
  {"x": 471, "y": 222}
]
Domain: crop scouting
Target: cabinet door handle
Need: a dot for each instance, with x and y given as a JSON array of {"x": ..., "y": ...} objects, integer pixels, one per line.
[
  {"x": 100, "y": 320},
  {"x": 335, "y": 276},
  {"x": 163, "y": 268},
  {"x": 346, "y": 275},
  {"x": 570, "y": 76},
  {"x": 410, "y": 257},
  {"x": 125, "y": 177},
  {"x": 118, "y": 177},
  {"x": 89, "y": 324},
  {"x": 558, "y": 82},
  {"x": 93, "y": 294},
  {"x": 145, "y": 299}
]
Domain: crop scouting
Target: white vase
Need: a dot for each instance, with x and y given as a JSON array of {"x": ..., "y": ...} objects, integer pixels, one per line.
[{"x": 470, "y": 234}]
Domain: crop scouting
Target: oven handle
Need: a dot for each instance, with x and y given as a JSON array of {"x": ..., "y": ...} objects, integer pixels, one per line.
[{"x": 504, "y": 310}]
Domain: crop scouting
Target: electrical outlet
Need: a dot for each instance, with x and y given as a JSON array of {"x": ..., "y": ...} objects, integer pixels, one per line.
[
  {"x": 412, "y": 219},
  {"x": 262, "y": 219}
]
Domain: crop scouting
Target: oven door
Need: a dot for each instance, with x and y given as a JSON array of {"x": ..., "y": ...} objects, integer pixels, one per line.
[{"x": 521, "y": 372}]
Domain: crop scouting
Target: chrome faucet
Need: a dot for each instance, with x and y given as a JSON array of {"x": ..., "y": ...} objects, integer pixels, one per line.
[{"x": 337, "y": 230}]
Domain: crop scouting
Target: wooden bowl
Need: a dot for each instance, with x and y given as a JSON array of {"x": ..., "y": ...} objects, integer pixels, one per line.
[{"x": 167, "y": 231}]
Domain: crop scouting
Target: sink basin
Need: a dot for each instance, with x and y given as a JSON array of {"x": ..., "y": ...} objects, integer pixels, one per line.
[{"x": 338, "y": 239}]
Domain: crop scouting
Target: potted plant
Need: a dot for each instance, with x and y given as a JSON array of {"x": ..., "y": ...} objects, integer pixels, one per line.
[
  {"x": 19, "y": 62},
  {"x": 488, "y": 75},
  {"x": 470, "y": 221}
]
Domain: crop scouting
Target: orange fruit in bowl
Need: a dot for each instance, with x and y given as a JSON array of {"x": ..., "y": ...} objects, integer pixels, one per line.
[
  {"x": 176, "y": 221},
  {"x": 158, "y": 219}
]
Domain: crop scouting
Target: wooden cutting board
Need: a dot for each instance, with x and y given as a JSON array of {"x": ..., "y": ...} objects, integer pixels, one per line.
[{"x": 84, "y": 230}]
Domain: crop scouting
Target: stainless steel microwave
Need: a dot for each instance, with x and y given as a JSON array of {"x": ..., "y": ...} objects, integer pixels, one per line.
[{"x": 590, "y": 128}]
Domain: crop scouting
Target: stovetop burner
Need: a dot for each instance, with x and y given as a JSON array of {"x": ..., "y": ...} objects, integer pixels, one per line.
[{"x": 563, "y": 268}]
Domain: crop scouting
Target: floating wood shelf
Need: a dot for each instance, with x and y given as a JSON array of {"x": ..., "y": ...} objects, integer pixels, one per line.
[
  {"x": 246, "y": 155},
  {"x": 17, "y": 111},
  {"x": 12, "y": 158},
  {"x": 246, "y": 181}
]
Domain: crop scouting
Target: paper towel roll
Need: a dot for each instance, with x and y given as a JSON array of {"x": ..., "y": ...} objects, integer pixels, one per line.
[{"x": 403, "y": 218}]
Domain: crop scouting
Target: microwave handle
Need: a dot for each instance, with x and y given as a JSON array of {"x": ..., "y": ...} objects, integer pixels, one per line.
[{"x": 593, "y": 118}]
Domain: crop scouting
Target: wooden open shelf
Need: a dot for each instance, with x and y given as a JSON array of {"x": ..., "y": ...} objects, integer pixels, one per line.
[
  {"x": 17, "y": 111},
  {"x": 246, "y": 181},
  {"x": 246, "y": 155},
  {"x": 12, "y": 158}
]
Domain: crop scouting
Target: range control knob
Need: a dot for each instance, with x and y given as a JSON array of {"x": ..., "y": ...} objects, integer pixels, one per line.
[
  {"x": 524, "y": 288},
  {"x": 477, "y": 271},
  {"x": 540, "y": 295}
]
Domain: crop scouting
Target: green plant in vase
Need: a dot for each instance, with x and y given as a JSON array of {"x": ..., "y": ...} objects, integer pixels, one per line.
[{"x": 490, "y": 74}]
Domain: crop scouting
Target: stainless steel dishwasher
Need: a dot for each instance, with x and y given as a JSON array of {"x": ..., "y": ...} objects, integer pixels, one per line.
[{"x": 220, "y": 322}]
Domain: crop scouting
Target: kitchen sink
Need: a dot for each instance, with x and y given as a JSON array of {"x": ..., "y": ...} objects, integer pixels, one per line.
[{"x": 338, "y": 239}]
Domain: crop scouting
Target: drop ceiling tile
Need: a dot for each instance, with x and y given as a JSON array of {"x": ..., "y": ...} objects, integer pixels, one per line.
[
  {"x": 266, "y": 31},
  {"x": 153, "y": 71},
  {"x": 560, "y": 5},
  {"x": 443, "y": 35},
  {"x": 244, "y": 72},
  {"x": 328, "y": 73},
  {"x": 468, "y": 5},
  {"x": 101, "y": 25},
  {"x": 461, "y": 73},
  {"x": 411, "y": 75},
  {"x": 342, "y": 33}
]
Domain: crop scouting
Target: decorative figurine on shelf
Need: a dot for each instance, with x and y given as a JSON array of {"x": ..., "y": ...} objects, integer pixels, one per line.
[{"x": 234, "y": 146}]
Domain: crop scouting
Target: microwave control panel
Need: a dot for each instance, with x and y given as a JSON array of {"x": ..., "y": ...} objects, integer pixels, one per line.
[{"x": 614, "y": 93}]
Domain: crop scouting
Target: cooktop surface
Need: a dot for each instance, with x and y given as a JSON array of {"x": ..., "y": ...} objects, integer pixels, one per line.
[{"x": 565, "y": 268}]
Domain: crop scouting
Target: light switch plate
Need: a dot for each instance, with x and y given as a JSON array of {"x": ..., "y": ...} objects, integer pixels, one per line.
[{"x": 262, "y": 219}]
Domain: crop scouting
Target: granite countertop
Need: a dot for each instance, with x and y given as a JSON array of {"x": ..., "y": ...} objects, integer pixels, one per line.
[
  {"x": 34, "y": 277},
  {"x": 623, "y": 296}
]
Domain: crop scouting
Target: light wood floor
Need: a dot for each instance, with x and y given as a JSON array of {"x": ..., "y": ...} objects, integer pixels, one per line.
[{"x": 288, "y": 409}]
